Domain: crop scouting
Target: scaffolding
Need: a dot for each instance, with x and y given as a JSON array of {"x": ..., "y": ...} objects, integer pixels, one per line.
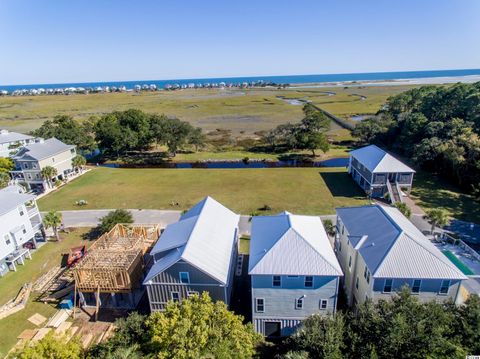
[{"x": 115, "y": 262}]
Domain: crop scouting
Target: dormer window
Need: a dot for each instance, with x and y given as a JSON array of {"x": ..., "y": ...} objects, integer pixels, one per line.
[
  {"x": 184, "y": 277},
  {"x": 276, "y": 281}
]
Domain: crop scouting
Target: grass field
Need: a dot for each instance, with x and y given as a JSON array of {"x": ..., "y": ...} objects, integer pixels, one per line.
[
  {"x": 43, "y": 259},
  {"x": 431, "y": 192},
  {"x": 244, "y": 111},
  {"x": 299, "y": 190}
]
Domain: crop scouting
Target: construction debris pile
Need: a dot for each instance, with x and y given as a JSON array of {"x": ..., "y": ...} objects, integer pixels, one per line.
[{"x": 114, "y": 263}]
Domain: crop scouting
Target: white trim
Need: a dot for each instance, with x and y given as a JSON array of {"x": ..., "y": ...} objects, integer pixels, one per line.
[
  {"x": 299, "y": 303},
  {"x": 180, "y": 277},
  {"x": 419, "y": 286},
  {"x": 448, "y": 287},
  {"x": 256, "y": 305},
  {"x": 385, "y": 284},
  {"x": 321, "y": 302},
  {"x": 171, "y": 296}
]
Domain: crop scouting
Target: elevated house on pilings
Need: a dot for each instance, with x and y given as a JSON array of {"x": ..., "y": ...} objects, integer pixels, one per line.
[{"x": 111, "y": 273}]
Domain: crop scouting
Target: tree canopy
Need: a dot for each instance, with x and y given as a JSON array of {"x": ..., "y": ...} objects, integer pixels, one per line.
[
  {"x": 69, "y": 131},
  {"x": 438, "y": 127}
]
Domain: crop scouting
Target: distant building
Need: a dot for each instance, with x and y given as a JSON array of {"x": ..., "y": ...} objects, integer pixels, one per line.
[
  {"x": 294, "y": 272},
  {"x": 10, "y": 142},
  {"x": 20, "y": 227},
  {"x": 381, "y": 251},
  {"x": 377, "y": 172},
  {"x": 197, "y": 254},
  {"x": 32, "y": 158}
]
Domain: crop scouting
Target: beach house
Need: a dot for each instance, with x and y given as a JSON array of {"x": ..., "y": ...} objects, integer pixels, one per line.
[
  {"x": 294, "y": 272},
  {"x": 20, "y": 227},
  {"x": 194, "y": 255},
  {"x": 377, "y": 172},
  {"x": 381, "y": 251},
  {"x": 32, "y": 158},
  {"x": 10, "y": 142}
]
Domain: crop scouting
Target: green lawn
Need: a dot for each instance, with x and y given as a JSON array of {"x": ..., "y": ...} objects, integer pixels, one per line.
[
  {"x": 432, "y": 192},
  {"x": 299, "y": 190},
  {"x": 43, "y": 259}
]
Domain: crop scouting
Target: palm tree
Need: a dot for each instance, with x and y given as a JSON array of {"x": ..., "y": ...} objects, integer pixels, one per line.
[
  {"x": 48, "y": 173},
  {"x": 78, "y": 162},
  {"x": 53, "y": 219},
  {"x": 438, "y": 218}
]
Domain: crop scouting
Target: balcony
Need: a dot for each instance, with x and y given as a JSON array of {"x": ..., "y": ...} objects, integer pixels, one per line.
[{"x": 32, "y": 211}]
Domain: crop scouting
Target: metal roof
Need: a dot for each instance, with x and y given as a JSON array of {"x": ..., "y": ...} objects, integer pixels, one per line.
[
  {"x": 10, "y": 198},
  {"x": 204, "y": 237},
  {"x": 377, "y": 160},
  {"x": 41, "y": 150},
  {"x": 288, "y": 244},
  {"x": 7, "y": 136},
  {"x": 392, "y": 247}
]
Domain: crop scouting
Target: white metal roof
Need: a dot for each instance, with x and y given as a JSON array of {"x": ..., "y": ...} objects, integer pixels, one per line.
[
  {"x": 377, "y": 160},
  {"x": 8, "y": 137},
  {"x": 40, "y": 150},
  {"x": 394, "y": 247},
  {"x": 288, "y": 244},
  {"x": 204, "y": 237},
  {"x": 10, "y": 198}
]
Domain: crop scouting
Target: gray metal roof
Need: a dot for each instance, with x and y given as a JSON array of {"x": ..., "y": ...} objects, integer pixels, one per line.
[
  {"x": 10, "y": 199},
  {"x": 288, "y": 244},
  {"x": 7, "y": 136},
  {"x": 204, "y": 237},
  {"x": 377, "y": 160},
  {"x": 41, "y": 150},
  {"x": 392, "y": 247}
]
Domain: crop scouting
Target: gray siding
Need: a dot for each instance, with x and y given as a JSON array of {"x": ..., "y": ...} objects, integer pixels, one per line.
[
  {"x": 168, "y": 281},
  {"x": 429, "y": 289},
  {"x": 362, "y": 169},
  {"x": 279, "y": 302}
]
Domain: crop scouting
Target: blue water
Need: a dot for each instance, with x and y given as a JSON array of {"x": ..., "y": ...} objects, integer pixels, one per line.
[
  {"x": 291, "y": 79},
  {"x": 333, "y": 162}
]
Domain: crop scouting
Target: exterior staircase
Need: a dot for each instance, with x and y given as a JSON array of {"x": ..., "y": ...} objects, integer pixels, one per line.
[{"x": 394, "y": 192}]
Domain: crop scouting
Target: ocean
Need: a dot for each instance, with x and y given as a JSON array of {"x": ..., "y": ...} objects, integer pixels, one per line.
[{"x": 289, "y": 79}]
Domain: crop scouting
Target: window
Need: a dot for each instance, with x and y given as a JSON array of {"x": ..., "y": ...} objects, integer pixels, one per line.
[
  {"x": 416, "y": 286},
  {"x": 323, "y": 304},
  {"x": 350, "y": 262},
  {"x": 343, "y": 229},
  {"x": 365, "y": 272},
  {"x": 184, "y": 277},
  {"x": 20, "y": 210},
  {"x": 34, "y": 165},
  {"x": 7, "y": 239},
  {"x": 368, "y": 277},
  {"x": 175, "y": 296},
  {"x": 387, "y": 288},
  {"x": 339, "y": 246},
  {"x": 277, "y": 281},
  {"x": 24, "y": 230},
  {"x": 356, "y": 283},
  {"x": 192, "y": 292},
  {"x": 260, "y": 305},
  {"x": 292, "y": 276},
  {"x": 25, "y": 165},
  {"x": 308, "y": 281},
  {"x": 445, "y": 287},
  {"x": 299, "y": 303},
  {"x": 53, "y": 159}
]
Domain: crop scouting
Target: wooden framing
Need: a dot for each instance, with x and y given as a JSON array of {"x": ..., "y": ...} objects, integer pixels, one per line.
[{"x": 114, "y": 263}]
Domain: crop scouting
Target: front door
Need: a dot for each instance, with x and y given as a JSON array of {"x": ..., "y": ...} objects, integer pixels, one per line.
[
  {"x": 392, "y": 177},
  {"x": 272, "y": 329}
]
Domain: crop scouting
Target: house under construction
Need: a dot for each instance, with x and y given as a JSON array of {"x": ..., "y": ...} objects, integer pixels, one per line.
[{"x": 111, "y": 273}]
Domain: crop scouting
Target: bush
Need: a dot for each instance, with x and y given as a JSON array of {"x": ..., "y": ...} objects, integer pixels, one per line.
[{"x": 113, "y": 218}]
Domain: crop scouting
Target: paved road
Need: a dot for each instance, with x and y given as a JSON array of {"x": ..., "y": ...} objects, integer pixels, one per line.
[{"x": 91, "y": 218}]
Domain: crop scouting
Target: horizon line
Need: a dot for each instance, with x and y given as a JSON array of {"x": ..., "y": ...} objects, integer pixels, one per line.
[{"x": 239, "y": 77}]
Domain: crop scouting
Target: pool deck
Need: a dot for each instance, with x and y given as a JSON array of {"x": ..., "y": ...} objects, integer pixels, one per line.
[{"x": 463, "y": 255}]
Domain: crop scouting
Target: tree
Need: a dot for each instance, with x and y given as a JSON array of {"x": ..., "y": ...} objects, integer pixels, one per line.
[
  {"x": 4, "y": 179},
  {"x": 78, "y": 162},
  {"x": 54, "y": 347},
  {"x": 467, "y": 326},
  {"x": 114, "y": 217},
  {"x": 403, "y": 207},
  {"x": 48, "y": 172},
  {"x": 53, "y": 219},
  {"x": 437, "y": 218},
  {"x": 196, "y": 138},
  {"x": 198, "y": 327},
  {"x": 329, "y": 227},
  {"x": 69, "y": 131},
  {"x": 306, "y": 140},
  {"x": 6, "y": 164},
  {"x": 321, "y": 336}
]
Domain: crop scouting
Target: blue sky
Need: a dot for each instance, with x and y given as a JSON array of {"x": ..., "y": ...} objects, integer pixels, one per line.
[{"x": 54, "y": 41}]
